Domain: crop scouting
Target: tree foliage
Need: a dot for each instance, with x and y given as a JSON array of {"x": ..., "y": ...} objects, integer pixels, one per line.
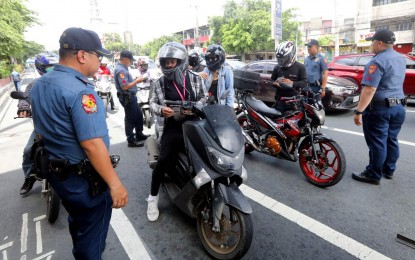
[
  {"x": 246, "y": 27},
  {"x": 14, "y": 19},
  {"x": 113, "y": 42},
  {"x": 326, "y": 40},
  {"x": 151, "y": 49}
]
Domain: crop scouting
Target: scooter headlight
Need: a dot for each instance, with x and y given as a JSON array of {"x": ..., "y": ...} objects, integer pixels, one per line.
[{"x": 225, "y": 162}]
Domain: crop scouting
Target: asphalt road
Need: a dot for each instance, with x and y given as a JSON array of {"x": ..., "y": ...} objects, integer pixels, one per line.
[{"x": 292, "y": 218}]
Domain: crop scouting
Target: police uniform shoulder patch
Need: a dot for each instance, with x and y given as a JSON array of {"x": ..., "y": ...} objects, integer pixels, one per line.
[
  {"x": 89, "y": 104},
  {"x": 122, "y": 75},
  {"x": 372, "y": 69}
]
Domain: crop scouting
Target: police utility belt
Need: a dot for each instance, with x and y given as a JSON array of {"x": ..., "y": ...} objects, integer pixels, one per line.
[
  {"x": 314, "y": 84},
  {"x": 61, "y": 169},
  {"x": 388, "y": 102}
]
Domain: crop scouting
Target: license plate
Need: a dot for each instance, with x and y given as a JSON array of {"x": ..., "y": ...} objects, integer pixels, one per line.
[{"x": 356, "y": 99}]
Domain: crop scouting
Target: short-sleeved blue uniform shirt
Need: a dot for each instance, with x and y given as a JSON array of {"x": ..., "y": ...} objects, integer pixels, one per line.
[
  {"x": 67, "y": 110},
  {"x": 315, "y": 65},
  {"x": 123, "y": 77},
  {"x": 386, "y": 72}
]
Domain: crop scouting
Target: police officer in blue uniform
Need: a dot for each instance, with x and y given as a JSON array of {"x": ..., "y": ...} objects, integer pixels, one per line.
[
  {"x": 381, "y": 108},
  {"x": 126, "y": 92},
  {"x": 70, "y": 118},
  {"x": 316, "y": 68}
]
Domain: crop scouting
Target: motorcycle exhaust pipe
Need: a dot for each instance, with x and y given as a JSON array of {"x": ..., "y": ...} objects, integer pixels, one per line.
[{"x": 249, "y": 140}]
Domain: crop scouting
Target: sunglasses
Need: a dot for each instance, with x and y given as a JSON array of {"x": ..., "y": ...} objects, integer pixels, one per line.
[{"x": 93, "y": 53}]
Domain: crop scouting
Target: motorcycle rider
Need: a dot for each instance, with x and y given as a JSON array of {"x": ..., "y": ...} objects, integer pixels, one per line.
[
  {"x": 289, "y": 74},
  {"x": 43, "y": 64},
  {"x": 142, "y": 66},
  {"x": 104, "y": 70},
  {"x": 194, "y": 61},
  {"x": 177, "y": 83},
  {"x": 217, "y": 77}
]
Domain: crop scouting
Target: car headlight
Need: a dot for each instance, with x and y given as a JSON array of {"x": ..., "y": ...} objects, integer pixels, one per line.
[{"x": 225, "y": 162}]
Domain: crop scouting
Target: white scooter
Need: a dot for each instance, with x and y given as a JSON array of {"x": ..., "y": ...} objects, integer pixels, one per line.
[
  {"x": 143, "y": 98},
  {"x": 103, "y": 87}
]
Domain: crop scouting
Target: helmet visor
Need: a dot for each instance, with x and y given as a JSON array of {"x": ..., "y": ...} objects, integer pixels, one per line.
[{"x": 172, "y": 52}]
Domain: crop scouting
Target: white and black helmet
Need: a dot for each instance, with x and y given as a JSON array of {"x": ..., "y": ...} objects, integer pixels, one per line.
[
  {"x": 173, "y": 50},
  {"x": 286, "y": 54}
]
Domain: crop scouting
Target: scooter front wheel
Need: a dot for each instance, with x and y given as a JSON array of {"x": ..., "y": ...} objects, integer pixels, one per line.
[
  {"x": 234, "y": 238},
  {"x": 147, "y": 118}
]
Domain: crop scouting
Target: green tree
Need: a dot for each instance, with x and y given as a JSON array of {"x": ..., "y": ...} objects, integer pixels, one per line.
[
  {"x": 326, "y": 40},
  {"x": 246, "y": 27},
  {"x": 113, "y": 42},
  {"x": 151, "y": 48},
  {"x": 14, "y": 19},
  {"x": 31, "y": 49}
]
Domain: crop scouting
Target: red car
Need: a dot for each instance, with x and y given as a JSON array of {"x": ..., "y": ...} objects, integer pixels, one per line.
[{"x": 352, "y": 66}]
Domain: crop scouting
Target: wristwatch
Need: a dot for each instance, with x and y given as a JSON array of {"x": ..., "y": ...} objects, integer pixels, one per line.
[{"x": 356, "y": 112}]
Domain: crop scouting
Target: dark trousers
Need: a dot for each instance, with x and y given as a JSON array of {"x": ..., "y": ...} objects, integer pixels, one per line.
[
  {"x": 172, "y": 143},
  {"x": 89, "y": 217},
  {"x": 381, "y": 126},
  {"x": 133, "y": 119},
  {"x": 17, "y": 85}
]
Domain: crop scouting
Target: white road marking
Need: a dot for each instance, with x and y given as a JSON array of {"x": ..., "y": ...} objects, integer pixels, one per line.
[
  {"x": 3, "y": 251},
  {"x": 23, "y": 235},
  {"x": 330, "y": 235},
  {"x": 47, "y": 256},
  {"x": 132, "y": 243},
  {"x": 39, "y": 243},
  {"x": 360, "y": 134}
]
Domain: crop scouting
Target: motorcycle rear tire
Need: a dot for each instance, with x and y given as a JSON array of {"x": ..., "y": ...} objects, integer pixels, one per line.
[
  {"x": 53, "y": 205},
  {"x": 331, "y": 162},
  {"x": 214, "y": 242},
  {"x": 243, "y": 122}
]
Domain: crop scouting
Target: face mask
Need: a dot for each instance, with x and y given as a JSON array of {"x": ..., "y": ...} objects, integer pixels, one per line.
[{"x": 49, "y": 69}]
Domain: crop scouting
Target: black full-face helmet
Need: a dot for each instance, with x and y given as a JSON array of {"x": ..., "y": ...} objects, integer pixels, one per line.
[
  {"x": 173, "y": 50},
  {"x": 286, "y": 54},
  {"x": 215, "y": 57},
  {"x": 194, "y": 58}
]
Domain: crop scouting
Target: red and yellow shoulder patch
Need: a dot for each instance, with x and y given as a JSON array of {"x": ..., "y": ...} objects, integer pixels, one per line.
[
  {"x": 122, "y": 75},
  {"x": 372, "y": 69},
  {"x": 89, "y": 104}
]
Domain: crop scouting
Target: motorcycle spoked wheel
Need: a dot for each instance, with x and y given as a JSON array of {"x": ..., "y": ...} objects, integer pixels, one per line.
[
  {"x": 53, "y": 205},
  {"x": 330, "y": 166},
  {"x": 234, "y": 238},
  {"x": 246, "y": 126}
]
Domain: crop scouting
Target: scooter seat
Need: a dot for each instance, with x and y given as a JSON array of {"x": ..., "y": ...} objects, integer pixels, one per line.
[{"x": 262, "y": 108}]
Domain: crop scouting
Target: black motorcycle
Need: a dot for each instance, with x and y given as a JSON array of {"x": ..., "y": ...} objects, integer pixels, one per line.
[
  {"x": 52, "y": 198},
  {"x": 205, "y": 181}
]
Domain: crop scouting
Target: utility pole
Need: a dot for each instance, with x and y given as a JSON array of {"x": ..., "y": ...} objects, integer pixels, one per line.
[
  {"x": 196, "y": 31},
  {"x": 336, "y": 31}
]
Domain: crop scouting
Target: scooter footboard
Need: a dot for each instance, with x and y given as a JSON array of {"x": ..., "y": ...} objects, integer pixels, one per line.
[{"x": 232, "y": 196}]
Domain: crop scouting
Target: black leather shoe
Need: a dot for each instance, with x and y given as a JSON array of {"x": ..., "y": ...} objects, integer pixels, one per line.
[
  {"x": 142, "y": 137},
  {"x": 388, "y": 176},
  {"x": 27, "y": 185},
  {"x": 362, "y": 176},
  {"x": 136, "y": 144}
]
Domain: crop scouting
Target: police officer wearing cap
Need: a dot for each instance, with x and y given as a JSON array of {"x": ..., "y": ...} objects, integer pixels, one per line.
[
  {"x": 70, "y": 117},
  {"x": 126, "y": 92},
  {"x": 381, "y": 108},
  {"x": 316, "y": 68}
]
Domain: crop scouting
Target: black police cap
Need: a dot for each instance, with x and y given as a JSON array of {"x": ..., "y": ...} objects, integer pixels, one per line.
[
  {"x": 81, "y": 39},
  {"x": 383, "y": 35},
  {"x": 127, "y": 54},
  {"x": 312, "y": 42}
]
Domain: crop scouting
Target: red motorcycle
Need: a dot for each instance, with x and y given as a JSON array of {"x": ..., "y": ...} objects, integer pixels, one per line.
[{"x": 291, "y": 135}]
